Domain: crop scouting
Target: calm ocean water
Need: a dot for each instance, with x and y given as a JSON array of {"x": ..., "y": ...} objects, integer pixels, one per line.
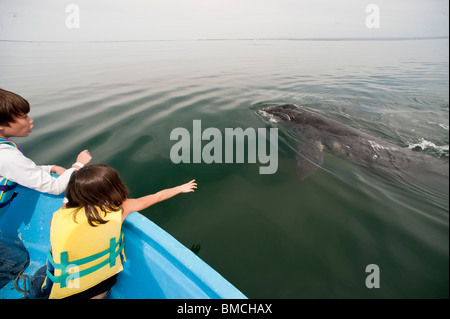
[{"x": 272, "y": 236}]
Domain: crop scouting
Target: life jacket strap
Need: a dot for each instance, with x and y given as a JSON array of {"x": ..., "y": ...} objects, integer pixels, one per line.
[
  {"x": 8, "y": 201},
  {"x": 5, "y": 188},
  {"x": 7, "y": 185},
  {"x": 65, "y": 265},
  {"x": 4, "y": 140}
]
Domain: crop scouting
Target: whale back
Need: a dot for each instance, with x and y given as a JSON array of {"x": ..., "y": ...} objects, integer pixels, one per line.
[{"x": 319, "y": 133}]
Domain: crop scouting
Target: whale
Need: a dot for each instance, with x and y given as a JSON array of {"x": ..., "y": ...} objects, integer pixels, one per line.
[{"x": 319, "y": 134}]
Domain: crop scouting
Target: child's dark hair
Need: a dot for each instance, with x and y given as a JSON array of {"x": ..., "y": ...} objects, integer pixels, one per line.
[
  {"x": 95, "y": 187},
  {"x": 12, "y": 106}
]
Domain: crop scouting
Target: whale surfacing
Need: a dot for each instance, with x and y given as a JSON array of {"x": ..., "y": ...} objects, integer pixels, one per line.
[{"x": 323, "y": 134}]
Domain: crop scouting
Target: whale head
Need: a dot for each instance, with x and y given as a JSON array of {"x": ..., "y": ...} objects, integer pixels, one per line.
[{"x": 285, "y": 112}]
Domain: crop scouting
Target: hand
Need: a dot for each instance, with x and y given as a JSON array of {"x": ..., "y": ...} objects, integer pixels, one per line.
[
  {"x": 84, "y": 157},
  {"x": 188, "y": 187},
  {"x": 58, "y": 170}
]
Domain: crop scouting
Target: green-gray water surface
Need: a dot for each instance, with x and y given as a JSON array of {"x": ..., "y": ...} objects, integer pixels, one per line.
[{"x": 272, "y": 236}]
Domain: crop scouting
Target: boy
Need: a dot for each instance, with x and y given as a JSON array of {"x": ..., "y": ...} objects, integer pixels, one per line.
[{"x": 15, "y": 168}]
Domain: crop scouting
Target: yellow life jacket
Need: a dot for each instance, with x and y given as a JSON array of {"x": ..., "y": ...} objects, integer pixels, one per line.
[{"x": 81, "y": 255}]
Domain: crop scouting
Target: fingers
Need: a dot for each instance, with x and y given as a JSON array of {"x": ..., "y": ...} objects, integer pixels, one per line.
[
  {"x": 190, "y": 186},
  {"x": 85, "y": 153},
  {"x": 84, "y": 157}
]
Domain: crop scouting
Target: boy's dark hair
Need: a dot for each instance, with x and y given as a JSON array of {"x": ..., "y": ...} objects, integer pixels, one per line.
[
  {"x": 12, "y": 106},
  {"x": 95, "y": 187}
]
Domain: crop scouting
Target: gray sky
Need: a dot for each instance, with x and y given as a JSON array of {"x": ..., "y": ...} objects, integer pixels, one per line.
[{"x": 105, "y": 20}]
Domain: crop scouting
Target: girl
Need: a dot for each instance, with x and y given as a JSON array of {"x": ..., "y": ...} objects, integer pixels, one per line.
[{"x": 85, "y": 234}]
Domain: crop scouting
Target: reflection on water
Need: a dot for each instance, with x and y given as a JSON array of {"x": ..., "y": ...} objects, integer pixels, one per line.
[{"x": 272, "y": 236}]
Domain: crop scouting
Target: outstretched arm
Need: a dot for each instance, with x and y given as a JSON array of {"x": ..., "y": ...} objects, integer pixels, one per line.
[{"x": 132, "y": 205}]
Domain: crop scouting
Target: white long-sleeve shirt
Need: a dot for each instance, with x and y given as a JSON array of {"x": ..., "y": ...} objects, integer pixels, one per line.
[{"x": 18, "y": 168}]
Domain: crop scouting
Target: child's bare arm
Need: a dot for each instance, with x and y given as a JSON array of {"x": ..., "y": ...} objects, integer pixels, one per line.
[{"x": 132, "y": 205}]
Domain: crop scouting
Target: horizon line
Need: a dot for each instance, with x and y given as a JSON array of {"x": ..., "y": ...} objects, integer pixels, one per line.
[{"x": 244, "y": 39}]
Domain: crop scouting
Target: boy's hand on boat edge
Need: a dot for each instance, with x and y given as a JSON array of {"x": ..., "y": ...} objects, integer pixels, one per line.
[{"x": 58, "y": 170}]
